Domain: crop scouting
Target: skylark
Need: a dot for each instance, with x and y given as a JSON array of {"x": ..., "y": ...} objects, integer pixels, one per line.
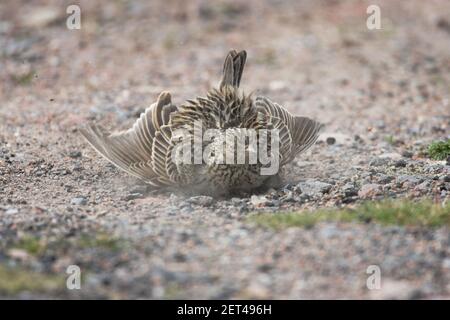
[{"x": 150, "y": 150}]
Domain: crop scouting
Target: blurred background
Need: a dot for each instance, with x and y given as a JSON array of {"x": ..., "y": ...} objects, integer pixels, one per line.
[{"x": 313, "y": 56}]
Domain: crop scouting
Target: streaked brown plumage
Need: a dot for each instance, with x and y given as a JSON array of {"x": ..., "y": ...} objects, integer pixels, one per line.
[{"x": 145, "y": 151}]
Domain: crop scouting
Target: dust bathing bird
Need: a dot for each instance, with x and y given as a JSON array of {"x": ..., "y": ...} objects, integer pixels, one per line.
[{"x": 168, "y": 145}]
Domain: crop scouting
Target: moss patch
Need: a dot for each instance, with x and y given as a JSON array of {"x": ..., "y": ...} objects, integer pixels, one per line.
[
  {"x": 101, "y": 240},
  {"x": 14, "y": 281},
  {"x": 31, "y": 245},
  {"x": 405, "y": 213},
  {"x": 439, "y": 150}
]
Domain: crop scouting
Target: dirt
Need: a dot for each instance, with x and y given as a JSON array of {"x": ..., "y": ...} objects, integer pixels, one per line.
[{"x": 383, "y": 96}]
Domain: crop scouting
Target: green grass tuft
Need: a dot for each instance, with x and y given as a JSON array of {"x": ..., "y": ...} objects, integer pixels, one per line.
[
  {"x": 101, "y": 240},
  {"x": 24, "y": 79},
  {"x": 14, "y": 281},
  {"x": 31, "y": 245},
  {"x": 405, "y": 213},
  {"x": 439, "y": 150}
]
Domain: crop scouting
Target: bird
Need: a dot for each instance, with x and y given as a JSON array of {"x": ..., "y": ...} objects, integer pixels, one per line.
[{"x": 160, "y": 148}]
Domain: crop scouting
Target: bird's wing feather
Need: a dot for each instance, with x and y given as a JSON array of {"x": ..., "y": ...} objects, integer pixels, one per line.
[
  {"x": 140, "y": 149},
  {"x": 303, "y": 132}
]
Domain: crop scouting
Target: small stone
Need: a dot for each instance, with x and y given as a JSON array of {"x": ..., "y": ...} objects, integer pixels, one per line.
[
  {"x": 369, "y": 190},
  {"x": 358, "y": 138},
  {"x": 331, "y": 140},
  {"x": 407, "y": 154},
  {"x": 393, "y": 289},
  {"x": 259, "y": 201},
  {"x": 75, "y": 154},
  {"x": 133, "y": 196},
  {"x": 412, "y": 180},
  {"x": 313, "y": 187},
  {"x": 12, "y": 211},
  {"x": 385, "y": 179},
  {"x": 349, "y": 190},
  {"x": 391, "y": 156},
  {"x": 424, "y": 186},
  {"x": 78, "y": 201},
  {"x": 400, "y": 163},
  {"x": 256, "y": 290},
  {"x": 378, "y": 162},
  {"x": 18, "y": 254},
  {"x": 40, "y": 17},
  {"x": 328, "y": 231},
  {"x": 204, "y": 201},
  {"x": 446, "y": 263},
  {"x": 139, "y": 189}
]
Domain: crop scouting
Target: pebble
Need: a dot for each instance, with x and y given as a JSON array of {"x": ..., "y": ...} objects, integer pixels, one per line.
[
  {"x": 12, "y": 211},
  {"x": 413, "y": 180},
  {"x": 385, "y": 179},
  {"x": 259, "y": 201},
  {"x": 407, "y": 154},
  {"x": 400, "y": 163},
  {"x": 204, "y": 201},
  {"x": 369, "y": 190},
  {"x": 78, "y": 201},
  {"x": 378, "y": 162},
  {"x": 350, "y": 190},
  {"x": 424, "y": 186},
  {"x": 394, "y": 289},
  {"x": 314, "y": 187},
  {"x": 331, "y": 140},
  {"x": 75, "y": 154},
  {"x": 133, "y": 196}
]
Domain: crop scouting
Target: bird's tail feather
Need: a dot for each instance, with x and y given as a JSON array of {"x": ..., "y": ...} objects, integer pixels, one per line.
[{"x": 233, "y": 68}]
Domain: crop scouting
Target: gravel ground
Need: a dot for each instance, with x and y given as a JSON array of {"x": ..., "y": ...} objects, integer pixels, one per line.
[{"x": 383, "y": 96}]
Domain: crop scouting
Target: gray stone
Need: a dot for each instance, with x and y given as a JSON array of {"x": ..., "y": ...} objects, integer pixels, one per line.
[
  {"x": 413, "y": 180},
  {"x": 400, "y": 163},
  {"x": 369, "y": 190},
  {"x": 12, "y": 211},
  {"x": 378, "y": 162},
  {"x": 78, "y": 201},
  {"x": 329, "y": 231},
  {"x": 205, "y": 201},
  {"x": 424, "y": 186},
  {"x": 407, "y": 154},
  {"x": 313, "y": 187},
  {"x": 133, "y": 196},
  {"x": 385, "y": 179},
  {"x": 259, "y": 201},
  {"x": 331, "y": 140},
  {"x": 75, "y": 154},
  {"x": 349, "y": 190}
]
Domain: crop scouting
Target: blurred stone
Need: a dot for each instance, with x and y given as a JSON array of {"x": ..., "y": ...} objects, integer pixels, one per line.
[
  {"x": 331, "y": 140},
  {"x": 78, "y": 201},
  {"x": 369, "y": 190},
  {"x": 313, "y": 187},
  {"x": 40, "y": 17},
  {"x": 205, "y": 201}
]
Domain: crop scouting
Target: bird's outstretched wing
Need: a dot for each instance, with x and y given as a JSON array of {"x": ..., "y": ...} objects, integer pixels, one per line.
[
  {"x": 143, "y": 150},
  {"x": 297, "y": 134}
]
